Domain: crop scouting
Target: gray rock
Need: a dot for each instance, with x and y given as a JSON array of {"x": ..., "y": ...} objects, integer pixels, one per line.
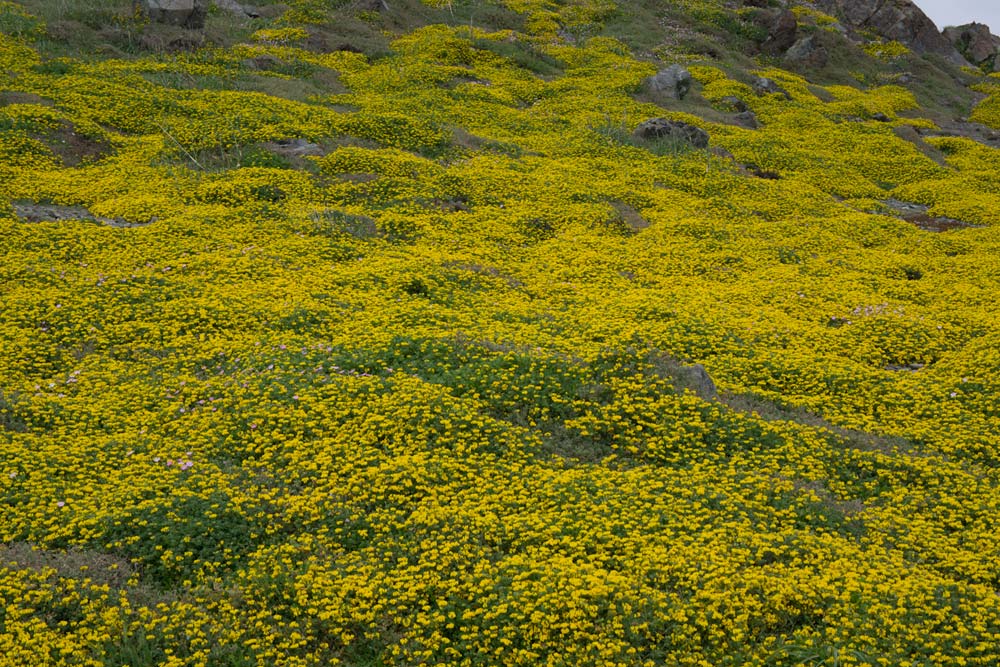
[
  {"x": 911, "y": 367},
  {"x": 184, "y": 13},
  {"x": 747, "y": 119},
  {"x": 673, "y": 82},
  {"x": 294, "y": 147},
  {"x": 808, "y": 52},
  {"x": 660, "y": 128},
  {"x": 32, "y": 212},
  {"x": 782, "y": 31},
  {"x": 976, "y": 43},
  {"x": 721, "y": 153},
  {"x": 734, "y": 103},
  {"x": 899, "y": 20},
  {"x": 697, "y": 379},
  {"x": 918, "y": 215},
  {"x": 960, "y": 128},
  {"x": 764, "y": 86},
  {"x": 236, "y": 9}
]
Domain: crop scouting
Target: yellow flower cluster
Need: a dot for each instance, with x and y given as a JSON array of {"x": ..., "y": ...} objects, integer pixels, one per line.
[
  {"x": 988, "y": 111},
  {"x": 427, "y": 393},
  {"x": 883, "y": 50}
]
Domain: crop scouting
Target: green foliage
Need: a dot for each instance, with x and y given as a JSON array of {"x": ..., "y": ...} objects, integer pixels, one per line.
[{"x": 521, "y": 53}]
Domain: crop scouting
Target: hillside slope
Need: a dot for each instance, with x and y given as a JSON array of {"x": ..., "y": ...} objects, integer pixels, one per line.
[{"x": 374, "y": 334}]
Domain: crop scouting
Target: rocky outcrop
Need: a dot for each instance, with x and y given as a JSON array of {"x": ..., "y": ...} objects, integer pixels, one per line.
[
  {"x": 965, "y": 129},
  {"x": 979, "y": 46},
  {"x": 188, "y": 14},
  {"x": 697, "y": 379},
  {"x": 808, "y": 52},
  {"x": 237, "y": 9},
  {"x": 664, "y": 128},
  {"x": 734, "y": 103},
  {"x": 764, "y": 86},
  {"x": 673, "y": 82},
  {"x": 899, "y": 20},
  {"x": 919, "y": 216},
  {"x": 746, "y": 119},
  {"x": 27, "y": 211},
  {"x": 782, "y": 31}
]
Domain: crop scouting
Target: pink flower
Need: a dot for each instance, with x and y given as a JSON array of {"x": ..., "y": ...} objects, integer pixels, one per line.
[{"x": 61, "y": 503}]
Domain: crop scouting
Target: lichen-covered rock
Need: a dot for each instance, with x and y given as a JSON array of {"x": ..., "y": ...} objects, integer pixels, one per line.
[
  {"x": 184, "y": 13},
  {"x": 808, "y": 52},
  {"x": 661, "y": 128},
  {"x": 976, "y": 43},
  {"x": 782, "y": 31},
  {"x": 747, "y": 119},
  {"x": 764, "y": 86},
  {"x": 673, "y": 82},
  {"x": 734, "y": 103},
  {"x": 899, "y": 20}
]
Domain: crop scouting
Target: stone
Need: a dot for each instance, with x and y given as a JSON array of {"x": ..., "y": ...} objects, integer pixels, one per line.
[
  {"x": 188, "y": 14},
  {"x": 697, "y": 379},
  {"x": 919, "y": 216},
  {"x": 28, "y": 211},
  {"x": 747, "y": 119},
  {"x": 764, "y": 86},
  {"x": 976, "y": 43},
  {"x": 660, "y": 128},
  {"x": 171, "y": 38},
  {"x": 236, "y": 9},
  {"x": 673, "y": 82},
  {"x": 721, "y": 153},
  {"x": 373, "y": 5},
  {"x": 808, "y": 52},
  {"x": 899, "y": 20},
  {"x": 881, "y": 117},
  {"x": 734, "y": 103},
  {"x": 782, "y": 31},
  {"x": 295, "y": 148}
]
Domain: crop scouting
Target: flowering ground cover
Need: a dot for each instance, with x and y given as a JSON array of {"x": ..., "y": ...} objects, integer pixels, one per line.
[{"x": 425, "y": 396}]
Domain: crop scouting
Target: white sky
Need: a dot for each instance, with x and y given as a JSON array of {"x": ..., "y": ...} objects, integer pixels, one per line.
[{"x": 959, "y": 12}]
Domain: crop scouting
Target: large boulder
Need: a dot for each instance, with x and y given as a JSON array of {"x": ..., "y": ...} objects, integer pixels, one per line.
[
  {"x": 976, "y": 43},
  {"x": 764, "y": 86},
  {"x": 673, "y": 82},
  {"x": 237, "y": 9},
  {"x": 782, "y": 30},
  {"x": 747, "y": 119},
  {"x": 664, "y": 128},
  {"x": 899, "y": 20},
  {"x": 188, "y": 14},
  {"x": 808, "y": 52}
]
